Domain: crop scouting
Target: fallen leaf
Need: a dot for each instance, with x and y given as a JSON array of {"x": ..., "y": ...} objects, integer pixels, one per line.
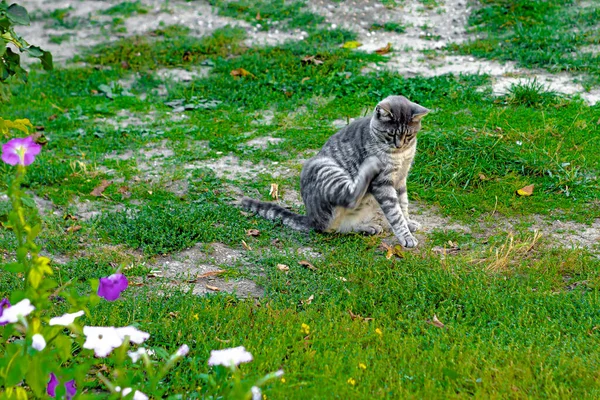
[
  {"x": 73, "y": 228},
  {"x": 274, "y": 192},
  {"x": 306, "y": 78},
  {"x": 258, "y": 17},
  {"x": 308, "y": 265},
  {"x": 482, "y": 177},
  {"x": 173, "y": 314},
  {"x": 308, "y": 301},
  {"x": 236, "y": 73},
  {"x": 40, "y": 128},
  {"x": 70, "y": 217},
  {"x": 283, "y": 267},
  {"x": 39, "y": 138},
  {"x": 52, "y": 117},
  {"x": 392, "y": 251},
  {"x": 356, "y": 316},
  {"x": 245, "y": 245},
  {"x": 125, "y": 64},
  {"x": 312, "y": 60},
  {"x": 211, "y": 273},
  {"x": 436, "y": 322},
  {"x": 351, "y": 45},
  {"x": 123, "y": 189},
  {"x": 277, "y": 243},
  {"x": 384, "y": 50},
  {"x": 100, "y": 188},
  {"x": 213, "y": 288},
  {"x": 526, "y": 191},
  {"x": 252, "y": 232},
  {"x": 187, "y": 56}
]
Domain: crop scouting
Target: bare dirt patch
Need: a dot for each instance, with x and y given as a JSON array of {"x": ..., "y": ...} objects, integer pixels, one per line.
[
  {"x": 198, "y": 269},
  {"x": 232, "y": 167}
]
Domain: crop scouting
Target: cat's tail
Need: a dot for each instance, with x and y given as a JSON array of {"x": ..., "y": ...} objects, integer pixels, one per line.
[{"x": 273, "y": 211}]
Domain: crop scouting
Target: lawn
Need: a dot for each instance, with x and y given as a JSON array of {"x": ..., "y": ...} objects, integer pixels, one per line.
[{"x": 499, "y": 300}]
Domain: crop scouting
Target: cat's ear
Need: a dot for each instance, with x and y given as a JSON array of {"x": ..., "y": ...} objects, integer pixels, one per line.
[
  {"x": 382, "y": 112},
  {"x": 418, "y": 112}
]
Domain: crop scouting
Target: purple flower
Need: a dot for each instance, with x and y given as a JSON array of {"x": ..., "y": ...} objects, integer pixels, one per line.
[
  {"x": 4, "y": 304},
  {"x": 70, "y": 387},
  {"x": 111, "y": 287},
  {"x": 20, "y": 151},
  {"x": 51, "y": 388}
]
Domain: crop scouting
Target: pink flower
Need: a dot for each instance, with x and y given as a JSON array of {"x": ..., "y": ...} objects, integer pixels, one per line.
[
  {"x": 20, "y": 151},
  {"x": 111, "y": 287}
]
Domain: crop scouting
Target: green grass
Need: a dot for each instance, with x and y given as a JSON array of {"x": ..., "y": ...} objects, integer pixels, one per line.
[
  {"x": 126, "y": 9},
  {"x": 516, "y": 326},
  {"x": 538, "y": 33}
]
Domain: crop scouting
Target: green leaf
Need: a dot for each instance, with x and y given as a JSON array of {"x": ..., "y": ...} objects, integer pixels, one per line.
[
  {"x": 17, "y": 14},
  {"x": 14, "y": 267},
  {"x": 34, "y": 51},
  {"x": 28, "y": 202},
  {"x": 36, "y": 378},
  {"x": 46, "y": 60},
  {"x": 17, "y": 367},
  {"x": 63, "y": 345}
]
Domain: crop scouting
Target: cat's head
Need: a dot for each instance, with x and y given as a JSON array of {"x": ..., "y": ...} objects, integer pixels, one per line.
[{"x": 397, "y": 120}]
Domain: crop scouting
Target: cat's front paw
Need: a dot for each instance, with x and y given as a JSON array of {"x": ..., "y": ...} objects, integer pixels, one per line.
[
  {"x": 408, "y": 241},
  {"x": 413, "y": 226}
]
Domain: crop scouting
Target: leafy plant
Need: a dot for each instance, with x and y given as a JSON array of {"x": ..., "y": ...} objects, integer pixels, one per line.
[{"x": 11, "y": 16}]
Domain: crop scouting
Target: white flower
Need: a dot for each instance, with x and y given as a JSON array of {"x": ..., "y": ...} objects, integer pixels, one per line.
[
  {"x": 278, "y": 373},
  {"x": 135, "y": 335},
  {"x": 182, "y": 351},
  {"x": 136, "y": 396},
  {"x": 65, "y": 320},
  {"x": 12, "y": 313},
  {"x": 136, "y": 355},
  {"x": 101, "y": 339},
  {"x": 38, "y": 342},
  {"x": 256, "y": 394},
  {"x": 229, "y": 357}
]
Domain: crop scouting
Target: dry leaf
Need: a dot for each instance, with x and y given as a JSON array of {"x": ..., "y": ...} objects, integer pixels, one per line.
[
  {"x": 312, "y": 60},
  {"x": 74, "y": 228},
  {"x": 384, "y": 50},
  {"x": 392, "y": 251},
  {"x": 306, "y": 78},
  {"x": 173, "y": 314},
  {"x": 308, "y": 301},
  {"x": 245, "y": 245},
  {"x": 236, "y": 73},
  {"x": 39, "y": 138},
  {"x": 355, "y": 316},
  {"x": 351, "y": 45},
  {"x": 211, "y": 273},
  {"x": 213, "y": 288},
  {"x": 252, "y": 232},
  {"x": 258, "y": 17},
  {"x": 482, "y": 177},
  {"x": 52, "y": 117},
  {"x": 436, "y": 322},
  {"x": 283, "y": 267},
  {"x": 274, "y": 192},
  {"x": 526, "y": 191},
  {"x": 70, "y": 217},
  {"x": 100, "y": 188},
  {"x": 308, "y": 265},
  {"x": 123, "y": 189}
]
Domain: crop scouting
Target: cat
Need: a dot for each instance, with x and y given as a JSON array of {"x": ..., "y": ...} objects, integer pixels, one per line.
[{"x": 363, "y": 166}]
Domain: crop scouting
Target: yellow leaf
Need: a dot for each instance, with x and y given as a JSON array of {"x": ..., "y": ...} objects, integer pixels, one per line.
[
  {"x": 40, "y": 268},
  {"x": 22, "y": 125},
  {"x": 525, "y": 191},
  {"x": 236, "y": 73},
  {"x": 351, "y": 45},
  {"x": 384, "y": 50},
  {"x": 274, "y": 191}
]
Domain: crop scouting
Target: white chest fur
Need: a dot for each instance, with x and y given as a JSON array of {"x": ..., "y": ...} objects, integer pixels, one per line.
[{"x": 401, "y": 162}]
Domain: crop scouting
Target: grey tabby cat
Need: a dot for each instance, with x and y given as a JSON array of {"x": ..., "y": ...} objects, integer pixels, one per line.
[{"x": 363, "y": 165}]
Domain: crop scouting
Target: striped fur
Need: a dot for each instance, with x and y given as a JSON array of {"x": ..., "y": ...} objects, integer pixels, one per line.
[{"x": 360, "y": 169}]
